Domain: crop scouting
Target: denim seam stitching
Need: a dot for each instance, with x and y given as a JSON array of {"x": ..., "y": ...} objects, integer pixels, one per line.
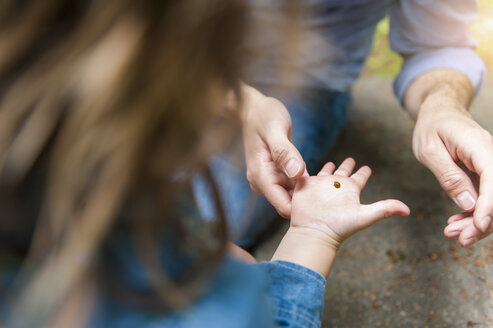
[
  {"x": 302, "y": 316},
  {"x": 317, "y": 279}
]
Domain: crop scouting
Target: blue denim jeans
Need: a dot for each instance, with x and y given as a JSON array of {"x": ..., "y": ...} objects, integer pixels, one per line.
[{"x": 318, "y": 118}]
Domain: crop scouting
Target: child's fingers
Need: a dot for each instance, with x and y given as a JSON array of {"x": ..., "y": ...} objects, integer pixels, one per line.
[
  {"x": 383, "y": 209},
  {"x": 454, "y": 229},
  {"x": 361, "y": 176},
  {"x": 328, "y": 169},
  {"x": 458, "y": 217},
  {"x": 346, "y": 167}
]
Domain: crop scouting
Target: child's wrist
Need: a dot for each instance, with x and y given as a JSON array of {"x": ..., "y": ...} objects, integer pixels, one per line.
[
  {"x": 308, "y": 247},
  {"x": 317, "y": 234}
]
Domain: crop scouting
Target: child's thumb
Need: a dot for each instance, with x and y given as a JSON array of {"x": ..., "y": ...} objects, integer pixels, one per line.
[{"x": 383, "y": 209}]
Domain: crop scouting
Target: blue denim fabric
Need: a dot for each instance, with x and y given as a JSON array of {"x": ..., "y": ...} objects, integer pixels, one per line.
[
  {"x": 296, "y": 293},
  {"x": 263, "y": 295},
  {"x": 318, "y": 118},
  {"x": 236, "y": 297},
  {"x": 236, "y": 294}
]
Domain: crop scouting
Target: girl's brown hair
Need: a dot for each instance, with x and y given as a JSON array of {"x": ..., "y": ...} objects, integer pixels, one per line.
[{"x": 103, "y": 103}]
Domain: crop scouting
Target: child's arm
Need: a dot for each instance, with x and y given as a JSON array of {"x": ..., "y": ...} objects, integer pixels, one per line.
[{"x": 325, "y": 211}]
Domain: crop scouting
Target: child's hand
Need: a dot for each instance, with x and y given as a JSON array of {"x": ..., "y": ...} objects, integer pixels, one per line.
[{"x": 329, "y": 203}]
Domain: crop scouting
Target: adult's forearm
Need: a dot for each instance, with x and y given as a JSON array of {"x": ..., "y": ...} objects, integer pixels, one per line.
[{"x": 438, "y": 88}]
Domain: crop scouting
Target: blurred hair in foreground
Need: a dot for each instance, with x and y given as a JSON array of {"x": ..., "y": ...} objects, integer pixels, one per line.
[{"x": 102, "y": 104}]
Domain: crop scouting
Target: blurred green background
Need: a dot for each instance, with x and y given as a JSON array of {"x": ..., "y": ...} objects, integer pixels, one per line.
[{"x": 384, "y": 62}]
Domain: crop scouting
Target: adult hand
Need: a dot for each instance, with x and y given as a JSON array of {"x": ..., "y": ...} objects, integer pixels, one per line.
[
  {"x": 444, "y": 138},
  {"x": 273, "y": 162},
  {"x": 459, "y": 152}
]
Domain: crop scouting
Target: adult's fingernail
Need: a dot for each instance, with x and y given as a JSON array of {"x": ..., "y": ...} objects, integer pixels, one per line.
[
  {"x": 292, "y": 167},
  {"x": 465, "y": 200},
  {"x": 485, "y": 223}
]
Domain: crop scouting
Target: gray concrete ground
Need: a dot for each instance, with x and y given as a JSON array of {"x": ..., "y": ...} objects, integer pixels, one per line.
[{"x": 403, "y": 272}]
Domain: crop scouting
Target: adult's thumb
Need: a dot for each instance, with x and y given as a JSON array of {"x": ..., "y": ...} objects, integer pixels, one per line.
[
  {"x": 286, "y": 157},
  {"x": 455, "y": 182}
]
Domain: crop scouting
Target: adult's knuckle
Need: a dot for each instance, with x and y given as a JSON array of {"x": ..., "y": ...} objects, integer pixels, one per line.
[
  {"x": 486, "y": 135},
  {"x": 450, "y": 180},
  {"x": 426, "y": 153},
  {"x": 482, "y": 140},
  {"x": 279, "y": 154},
  {"x": 251, "y": 177},
  {"x": 254, "y": 188},
  {"x": 271, "y": 103}
]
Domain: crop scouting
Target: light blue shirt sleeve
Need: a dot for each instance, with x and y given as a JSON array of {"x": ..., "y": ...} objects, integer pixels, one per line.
[{"x": 434, "y": 34}]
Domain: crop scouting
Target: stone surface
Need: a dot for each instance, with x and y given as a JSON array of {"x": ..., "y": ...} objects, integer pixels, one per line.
[{"x": 403, "y": 272}]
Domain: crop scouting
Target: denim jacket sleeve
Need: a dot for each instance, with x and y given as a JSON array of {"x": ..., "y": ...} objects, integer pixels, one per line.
[
  {"x": 240, "y": 295},
  {"x": 296, "y": 293},
  {"x": 434, "y": 34}
]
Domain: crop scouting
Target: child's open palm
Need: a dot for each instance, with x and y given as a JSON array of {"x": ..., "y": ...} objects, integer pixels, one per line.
[{"x": 330, "y": 202}]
